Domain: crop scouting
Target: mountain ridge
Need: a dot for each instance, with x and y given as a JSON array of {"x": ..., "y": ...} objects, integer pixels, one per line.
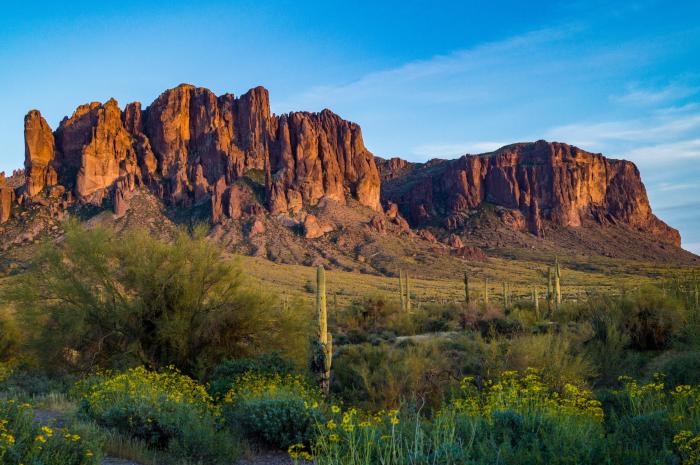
[{"x": 246, "y": 167}]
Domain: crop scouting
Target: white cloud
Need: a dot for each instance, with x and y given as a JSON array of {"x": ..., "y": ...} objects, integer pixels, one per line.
[
  {"x": 637, "y": 95},
  {"x": 663, "y": 153},
  {"x": 671, "y": 187},
  {"x": 665, "y": 125}
]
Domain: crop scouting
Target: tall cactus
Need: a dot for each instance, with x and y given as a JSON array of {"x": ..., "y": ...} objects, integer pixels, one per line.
[
  {"x": 466, "y": 288},
  {"x": 557, "y": 283},
  {"x": 536, "y": 300},
  {"x": 325, "y": 339},
  {"x": 550, "y": 295},
  {"x": 402, "y": 291},
  {"x": 408, "y": 293},
  {"x": 486, "y": 292}
]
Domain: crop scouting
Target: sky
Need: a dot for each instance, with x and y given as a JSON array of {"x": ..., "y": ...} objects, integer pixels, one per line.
[{"x": 424, "y": 79}]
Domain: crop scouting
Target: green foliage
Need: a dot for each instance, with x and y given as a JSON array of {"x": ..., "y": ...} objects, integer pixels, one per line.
[
  {"x": 271, "y": 409},
  {"x": 228, "y": 371},
  {"x": 168, "y": 411},
  {"x": 22, "y": 441},
  {"x": 101, "y": 301},
  {"x": 382, "y": 376},
  {"x": 652, "y": 319}
]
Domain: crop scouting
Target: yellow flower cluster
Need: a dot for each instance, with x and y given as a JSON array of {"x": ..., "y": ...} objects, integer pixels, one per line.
[
  {"x": 7, "y": 439},
  {"x": 251, "y": 385},
  {"x": 299, "y": 452},
  {"x": 154, "y": 388},
  {"x": 688, "y": 446},
  {"x": 523, "y": 393},
  {"x": 635, "y": 390}
]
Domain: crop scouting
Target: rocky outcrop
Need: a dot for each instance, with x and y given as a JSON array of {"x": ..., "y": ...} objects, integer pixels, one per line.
[
  {"x": 7, "y": 196},
  {"x": 532, "y": 182},
  {"x": 189, "y": 141},
  {"x": 38, "y": 153},
  {"x": 191, "y": 147},
  {"x": 314, "y": 229}
]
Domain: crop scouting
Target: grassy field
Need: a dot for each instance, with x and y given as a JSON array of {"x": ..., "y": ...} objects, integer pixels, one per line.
[{"x": 578, "y": 277}]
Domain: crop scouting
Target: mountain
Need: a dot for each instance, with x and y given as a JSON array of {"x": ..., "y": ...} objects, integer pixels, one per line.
[{"x": 303, "y": 188}]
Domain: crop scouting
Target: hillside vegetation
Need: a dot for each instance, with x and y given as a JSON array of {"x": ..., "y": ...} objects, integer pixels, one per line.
[{"x": 177, "y": 352}]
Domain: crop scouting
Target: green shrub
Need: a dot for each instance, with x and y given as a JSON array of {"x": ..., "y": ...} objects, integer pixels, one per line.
[
  {"x": 167, "y": 410},
  {"x": 228, "y": 371},
  {"x": 112, "y": 302},
  {"x": 22, "y": 441},
  {"x": 652, "y": 318},
  {"x": 272, "y": 409}
]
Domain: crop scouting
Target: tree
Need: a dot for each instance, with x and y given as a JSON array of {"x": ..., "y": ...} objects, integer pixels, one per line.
[{"x": 96, "y": 300}]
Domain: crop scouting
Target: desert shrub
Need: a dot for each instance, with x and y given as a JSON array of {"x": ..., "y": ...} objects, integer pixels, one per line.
[
  {"x": 272, "y": 409},
  {"x": 681, "y": 368},
  {"x": 228, "y": 371},
  {"x": 558, "y": 354},
  {"x": 382, "y": 375},
  {"x": 515, "y": 419},
  {"x": 22, "y": 441},
  {"x": 101, "y": 301},
  {"x": 167, "y": 410},
  {"x": 652, "y": 318}
]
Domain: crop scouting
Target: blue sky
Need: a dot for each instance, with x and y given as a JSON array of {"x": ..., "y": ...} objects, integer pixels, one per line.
[{"x": 424, "y": 79}]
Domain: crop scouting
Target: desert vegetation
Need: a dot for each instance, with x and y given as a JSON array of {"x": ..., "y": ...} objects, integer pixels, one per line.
[{"x": 168, "y": 352}]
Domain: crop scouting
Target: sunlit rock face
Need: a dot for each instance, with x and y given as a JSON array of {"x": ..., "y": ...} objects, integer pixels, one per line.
[
  {"x": 189, "y": 146},
  {"x": 542, "y": 180}
]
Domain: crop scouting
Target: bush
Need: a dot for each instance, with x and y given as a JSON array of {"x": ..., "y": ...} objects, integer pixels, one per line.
[
  {"x": 228, "y": 371},
  {"x": 652, "y": 319},
  {"x": 96, "y": 300},
  {"x": 22, "y": 441},
  {"x": 272, "y": 409},
  {"x": 383, "y": 375},
  {"x": 167, "y": 410}
]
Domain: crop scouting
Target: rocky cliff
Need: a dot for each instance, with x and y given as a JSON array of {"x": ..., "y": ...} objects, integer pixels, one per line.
[
  {"x": 190, "y": 146},
  {"x": 534, "y": 182}
]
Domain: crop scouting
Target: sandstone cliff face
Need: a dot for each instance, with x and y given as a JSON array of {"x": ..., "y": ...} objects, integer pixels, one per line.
[
  {"x": 541, "y": 180},
  {"x": 7, "y": 195},
  {"x": 192, "y": 147},
  {"x": 189, "y": 146},
  {"x": 39, "y": 153}
]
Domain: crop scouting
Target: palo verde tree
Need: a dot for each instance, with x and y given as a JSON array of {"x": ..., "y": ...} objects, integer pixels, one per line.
[{"x": 95, "y": 300}]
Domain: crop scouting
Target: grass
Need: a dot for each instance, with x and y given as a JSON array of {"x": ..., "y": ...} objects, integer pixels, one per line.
[{"x": 579, "y": 276}]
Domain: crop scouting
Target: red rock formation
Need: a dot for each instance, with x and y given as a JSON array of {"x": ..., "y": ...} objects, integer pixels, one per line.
[
  {"x": 537, "y": 181},
  {"x": 7, "y": 196},
  {"x": 189, "y": 139},
  {"x": 313, "y": 228},
  {"x": 38, "y": 153}
]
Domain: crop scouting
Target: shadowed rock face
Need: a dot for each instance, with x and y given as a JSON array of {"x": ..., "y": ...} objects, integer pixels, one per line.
[
  {"x": 188, "y": 140},
  {"x": 543, "y": 180}
]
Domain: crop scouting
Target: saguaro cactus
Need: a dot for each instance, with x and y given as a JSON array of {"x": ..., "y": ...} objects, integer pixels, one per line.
[
  {"x": 402, "y": 291},
  {"x": 550, "y": 295},
  {"x": 325, "y": 339},
  {"x": 408, "y": 293},
  {"x": 557, "y": 283},
  {"x": 466, "y": 288},
  {"x": 536, "y": 301},
  {"x": 486, "y": 292}
]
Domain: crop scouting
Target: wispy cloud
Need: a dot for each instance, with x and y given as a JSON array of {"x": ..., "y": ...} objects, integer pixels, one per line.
[
  {"x": 671, "y": 187},
  {"x": 664, "y": 153},
  {"x": 639, "y": 95}
]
